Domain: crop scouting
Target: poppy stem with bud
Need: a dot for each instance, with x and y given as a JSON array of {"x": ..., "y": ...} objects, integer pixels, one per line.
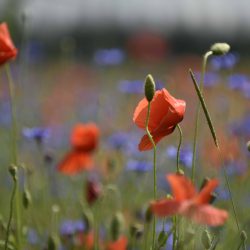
[
  {"x": 149, "y": 94},
  {"x": 197, "y": 119},
  {"x": 14, "y": 152},
  {"x": 178, "y": 150}
]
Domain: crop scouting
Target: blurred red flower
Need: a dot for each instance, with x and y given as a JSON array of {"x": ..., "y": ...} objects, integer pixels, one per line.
[
  {"x": 7, "y": 48},
  {"x": 84, "y": 140},
  {"x": 165, "y": 113},
  {"x": 189, "y": 203},
  {"x": 120, "y": 244},
  {"x": 87, "y": 240}
]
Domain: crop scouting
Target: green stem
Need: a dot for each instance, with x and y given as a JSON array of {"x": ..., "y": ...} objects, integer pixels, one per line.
[
  {"x": 179, "y": 148},
  {"x": 11, "y": 213},
  {"x": 14, "y": 151},
  {"x": 154, "y": 162},
  {"x": 175, "y": 232},
  {"x": 204, "y": 63}
]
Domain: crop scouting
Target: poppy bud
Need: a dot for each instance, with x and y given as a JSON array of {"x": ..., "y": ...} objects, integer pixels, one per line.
[
  {"x": 148, "y": 215},
  {"x": 220, "y": 48},
  {"x": 248, "y": 146},
  {"x": 53, "y": 243},
  {"x": 117, "y": 225},
  {"x": 88, "y": 220},
  {"x": 243, "y": 236},
  {"x": 136, "y": 230},
  {"x": 26, "y": 198},
  {"x": 13, "y": 171},
  {"x": 204, "y": 182},
  {"x": 93, "y": 191},
  {"x": 180, "y": 172},
  {"x": 206, "y": 239},
  {"x": 149, "y": 88}
]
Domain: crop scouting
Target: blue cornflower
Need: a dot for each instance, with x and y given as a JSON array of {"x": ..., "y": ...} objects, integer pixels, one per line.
[
  {"x": 135, "y": 86},
  {"x": 237, "y": 81},
  {"x": 186, "y": 154},
  {"x": 210, "y": 79},
  {"x": 241, "y": 127},
  {"x": 227, "y": 61},
  {"x": 38, "y": 134},
  {"x": 70, "y": 227},
  {"x": 32, "y": 236},
  {"x": 127, "y": 142},
  {"x": 222, "y": 193},
  {"x": 114, "y": 56},
  {"x": 139, "y": 166}
]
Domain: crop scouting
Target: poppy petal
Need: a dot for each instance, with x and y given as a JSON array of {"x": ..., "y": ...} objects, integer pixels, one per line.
[
  {"x": 207, "y": 215},
  {"x": 75, "y": 162},
  {"x": 205, "y": 194},
  {"x": 145, "y": 143},
  {"x": 182, "y": 188},
  {"x": 120, "y": 244},
  {"x": 165, "y": 207}
]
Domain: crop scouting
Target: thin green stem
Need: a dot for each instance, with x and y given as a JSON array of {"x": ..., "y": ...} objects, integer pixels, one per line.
[
  {"x": 11, "y": 214},
  {"x": 174, "y": 233},
  {"x": 197, "y": 119},
  {"x": 231, "y": 198},
  {"x": 154, "y": 163},
  {"x": 179, "y": 148},
  {"x": 14, "y": 151}
]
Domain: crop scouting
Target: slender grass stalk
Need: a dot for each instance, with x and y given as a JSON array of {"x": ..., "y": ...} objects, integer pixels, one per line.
[
  {"x": 154, "y": 163},
  {"x": 197, "y": 122},
  {"x": 174, "y": 233},
  {"x": 14, "y": 152},
  {"x": 212, "y": 130},
  {"x": 179, "y": 149},
  {"x": 11, "y": 213}
]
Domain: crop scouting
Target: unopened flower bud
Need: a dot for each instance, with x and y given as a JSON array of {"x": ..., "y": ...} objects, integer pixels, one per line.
[
  {"x": 220, "y": 48},
  {"x": 26, "y": 198},
  {"x": 148, "y": 215},
  {"x": 93, "y": 191},
  {"x": 248, "y": 146},
  {"x": 243, "y": 236},
  {"x": 53, "y": 243},
  {"x": 136, "y": 230},
  {"x": 180, "y": 172},
  {"x": 206, "y": 239},
  {"x": 88, "y": 220},
  {"x": 117, "y": 225},
  {"x": 149, "y": 88},
  {"x": 13, "y": 171}
]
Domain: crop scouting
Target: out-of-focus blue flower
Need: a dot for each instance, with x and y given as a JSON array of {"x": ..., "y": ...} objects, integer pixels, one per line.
[
  {"x": 227, "y": 61},
  {"x": 210, "y": 80},
  {"x": 238, "y": 81},
  {"x": 32, "y": 236},
  {"x": 186, "y": 154},
  {"x": 112, "y": 56},
  {"x": 37, "y": 134},
  {"x": 70, "y": 227},
  {"x": 139, "y": 166},
  {"x": 236, "y": 168},
  {"x": 135, "y": 86},
  {"x": 222, "y": 193},
  {"x": 241, "y": 127},
  {"x": 127, "y": 142}
]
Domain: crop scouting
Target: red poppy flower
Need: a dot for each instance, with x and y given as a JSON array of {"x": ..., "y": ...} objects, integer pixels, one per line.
[
  {"x": 84, "y": 140},
  {"x": 165, "y": 113},
  {"x": 7, "y": 48},
  {"x": 189, "y": 203},
  {"x": 120, "y": 244},
  {"x": 87, "y": 240}
]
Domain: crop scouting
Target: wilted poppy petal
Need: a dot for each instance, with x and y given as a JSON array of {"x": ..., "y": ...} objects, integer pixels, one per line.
[
  {"x": 204, "y": 195},
  {"x": 75, "y": 162},
  {"x": 182, "y": 188},
  {"x": 165, "y": 207},
  {"x": 207, "y": 215}
]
